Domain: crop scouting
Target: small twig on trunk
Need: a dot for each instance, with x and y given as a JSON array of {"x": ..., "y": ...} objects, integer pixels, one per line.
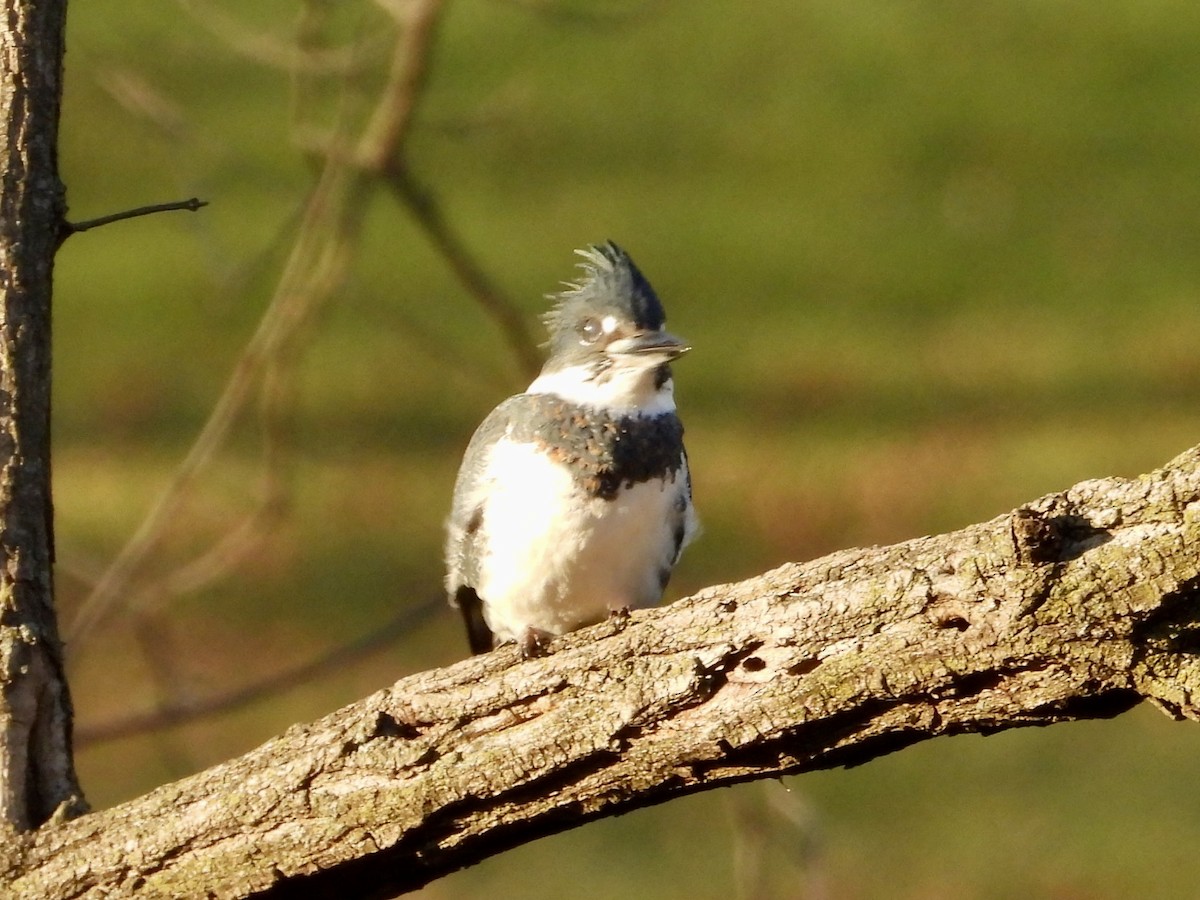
[{"x": 69, "y": 228}]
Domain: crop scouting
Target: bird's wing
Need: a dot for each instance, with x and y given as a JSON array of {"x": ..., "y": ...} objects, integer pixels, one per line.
[
  {"x": 687, "y": 524},
  {"x": 463, "y": 527}
]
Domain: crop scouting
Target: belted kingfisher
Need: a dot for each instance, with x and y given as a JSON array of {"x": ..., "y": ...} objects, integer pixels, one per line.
[{"x": 573, "y": 501}]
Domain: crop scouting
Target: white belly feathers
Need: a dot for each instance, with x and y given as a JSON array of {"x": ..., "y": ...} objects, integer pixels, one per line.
[{"x": 555, "y": 559}]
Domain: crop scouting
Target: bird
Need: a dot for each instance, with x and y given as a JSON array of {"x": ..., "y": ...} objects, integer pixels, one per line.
[{"x": 573, "y": 501}]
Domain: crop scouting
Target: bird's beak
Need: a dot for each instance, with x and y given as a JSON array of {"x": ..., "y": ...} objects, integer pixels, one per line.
[{"x": 658, "y": 345}]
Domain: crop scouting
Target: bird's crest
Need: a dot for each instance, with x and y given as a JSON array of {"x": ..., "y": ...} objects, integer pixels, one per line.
[{"x": 610, "y": 281}]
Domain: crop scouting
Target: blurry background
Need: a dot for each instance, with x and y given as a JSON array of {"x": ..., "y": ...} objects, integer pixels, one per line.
[{"x": 936, "y": 260}]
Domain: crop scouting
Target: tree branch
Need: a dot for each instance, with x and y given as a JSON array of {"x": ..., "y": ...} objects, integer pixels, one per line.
[{"x": 1077, "y": 605}]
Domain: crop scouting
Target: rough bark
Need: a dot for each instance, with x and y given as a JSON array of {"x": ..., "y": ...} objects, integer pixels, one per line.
[
  {"x": 1078, "y": 605},
  {"x": 36, "y": 768}
]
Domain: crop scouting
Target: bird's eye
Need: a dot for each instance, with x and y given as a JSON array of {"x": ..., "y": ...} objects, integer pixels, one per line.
[{"x": 590, "y": 330}]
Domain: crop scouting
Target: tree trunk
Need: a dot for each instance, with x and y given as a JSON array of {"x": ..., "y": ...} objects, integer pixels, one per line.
[
  {"x": 1078, "y": 605},
  {"x": 37, "y": 775}
]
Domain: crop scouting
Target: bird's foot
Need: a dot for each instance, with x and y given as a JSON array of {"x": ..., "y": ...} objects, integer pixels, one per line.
[{"x": 535, "y": 642}]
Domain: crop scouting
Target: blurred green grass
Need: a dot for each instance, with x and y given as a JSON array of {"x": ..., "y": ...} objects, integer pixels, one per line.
[{"x": 936, "y": 260}]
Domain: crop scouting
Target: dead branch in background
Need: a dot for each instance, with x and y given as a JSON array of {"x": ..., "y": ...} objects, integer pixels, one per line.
[
  {"x": 314, "y": 268},
  {"x": 1078, "y": 605},
  {"x": 381, "y": 152},
  {"x": 426, "y": 210},
  {"x": 322, "y": 254},
  {"x": 175, "y": 708}
]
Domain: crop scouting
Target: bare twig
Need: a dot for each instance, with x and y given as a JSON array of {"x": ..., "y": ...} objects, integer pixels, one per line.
[
  {"x": 69, "y": 228},
  {"x": 436, "y": 346},
  {"x": 145, "y": 101},
  {"x": 307, "y": 275},
  {"x": 591, "y": 14},
  {"x": 156, "y": 640},
  {"x": 428, "y": 214},
  {"x": 380, "y": 151},
  {"x": 318, "y": 262},
  {"x": 238, "y": 544},
  {"x": 174, "y": 712},
  {"x": 326, "y": 237},
  {"x": 266, "y": 49},
  {"x": 383, "y": 138}
]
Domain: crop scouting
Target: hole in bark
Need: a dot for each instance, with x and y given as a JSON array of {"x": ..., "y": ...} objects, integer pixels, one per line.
[
  {"x": 804, "y": 666},
  {"x": 958, "y": 623},
  {"x": 1176, "y": 621},
  {"x": 389, "y": 726},
  {"x": 1052, "y": 539},
  {"x": 753, "y": 664},
  {"x": 977, "y": 682}
]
